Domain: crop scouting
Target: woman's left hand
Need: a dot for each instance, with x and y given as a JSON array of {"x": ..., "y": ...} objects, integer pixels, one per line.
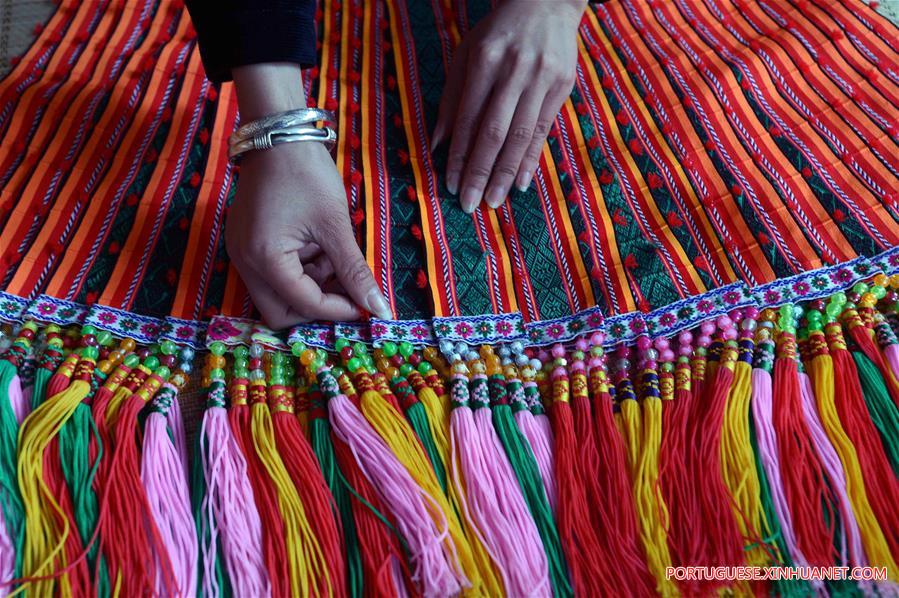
[{"x": 509, "y": 77}]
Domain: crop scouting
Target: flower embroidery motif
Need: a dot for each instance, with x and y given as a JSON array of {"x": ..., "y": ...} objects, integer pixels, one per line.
[
  {"x": 484, "y": 328},
  {"x": 575, "y": 325},
  {"x": 398, "y": 332},
  {"x": 842, "y": 275},
  {"x": 504, "y": 328},
  {"x": 555, "y": 330},
  {"x": 149, "y": 330},
  {"x": 184, "y": 332},
  {"x": 617, "y": 329},
  {"x": 128, "y": 324},
  {"x": 705, "y": 306},
  {"x": 594, "y": 320},
  {"x": 772, "y": 296},
  {"x": 801, "y": 287},
  {"x": 463, "y": 329},
  {"x": 732, "y": 297},
  {"x": 378, "y": 329},
  {"x": 667, "y": 319},
  {"x": 442, "y": 329},
  {"x": 637, "y": 326},
  {"x": 107, "y": 318},
  {"x": 419, "y": 332},
  {"x": 46, "y": 308},
  {"x": 221, "y": 330}
]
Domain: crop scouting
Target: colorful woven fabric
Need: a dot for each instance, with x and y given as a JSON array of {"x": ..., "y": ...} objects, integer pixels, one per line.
[{"x": 704, "y": 145}]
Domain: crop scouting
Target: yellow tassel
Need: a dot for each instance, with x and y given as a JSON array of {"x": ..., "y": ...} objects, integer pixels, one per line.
[
  {"x": 437, "y": 410},
  {"x": 738, "y": 465},
  {"x": 46, "y": 525},
  {"x": 876, "y": 547},
  {"x": 304, "y": 556},
  {"x": 651, "y": 509},
  {"x": 632, "y": 432},
  {"x": 398, "y": 435}
]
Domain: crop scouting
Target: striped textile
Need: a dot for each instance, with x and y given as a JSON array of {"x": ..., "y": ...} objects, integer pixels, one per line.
[{"x": 705, "y": 143}]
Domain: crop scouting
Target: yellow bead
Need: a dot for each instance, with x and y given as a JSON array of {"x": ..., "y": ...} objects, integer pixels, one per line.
[
  {"x": 127, "y": 344},
  {"x": 307, "y": 357},
  {"x": 486, "y": 351},
  {"x": 881, "y": 280},
  {"x": 894, "y": 281},
  {"x": 391, "y": 372},
  {"x": 868, "y": 300}
]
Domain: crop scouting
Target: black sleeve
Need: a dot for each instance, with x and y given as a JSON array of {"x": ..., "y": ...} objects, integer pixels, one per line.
[{"x": 240, "y": 32}]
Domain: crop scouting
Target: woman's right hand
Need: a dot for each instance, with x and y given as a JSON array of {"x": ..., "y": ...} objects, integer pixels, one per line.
[{"x": 288, "y": 231}]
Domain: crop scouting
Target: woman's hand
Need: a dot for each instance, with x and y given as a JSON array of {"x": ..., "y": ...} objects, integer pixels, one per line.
[
  {"x": 288, "y": 231},
  {"x": 508, "y": 79}
]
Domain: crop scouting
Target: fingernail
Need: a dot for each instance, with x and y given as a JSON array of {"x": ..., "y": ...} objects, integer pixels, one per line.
[
  {"x": 470, "y": 199},
  {"x": 523, "y": 181},
  {"x": 378, "y": 305},
  {"x": 495, "y": 197},
  {"x": 452, "y": 182},
  {"x": 436, "y": 138}
]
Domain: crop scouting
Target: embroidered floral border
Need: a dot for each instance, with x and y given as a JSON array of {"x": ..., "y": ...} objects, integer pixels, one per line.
[
  {"x": 56, "y": 311},
  {"x": 888, "y": 261},
  {"x": 143, "y": 329},
  {"x": 815, "y": 284},
  {"x": 320, "y": 336},
  {"x": 418, "y": 332},
  {"x": 12, "y": 307},
  {"x": 487, "y": 329},
  {"x": 565, "y": 329},
  {"x": 184, "y": 332}
]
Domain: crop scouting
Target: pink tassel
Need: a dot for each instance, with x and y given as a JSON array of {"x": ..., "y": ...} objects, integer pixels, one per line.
[
  {"x": 179, "y": 438},
  {"x": 21, "y": 405},
  {"x": 492, "y": 498},
  {"x": 892, "y": 354},
  {"x": 7, "y": 558},
  {"x": 229, "y": 504},
  {"x": 398, "y": 490},
  {"x": 165, "y": 481},
  {"x": 540, "y": 444}
]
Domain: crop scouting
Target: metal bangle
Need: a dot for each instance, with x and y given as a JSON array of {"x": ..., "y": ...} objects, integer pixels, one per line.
[
  {"x": 271, "y": 138},
  {"x": 281, "y": 120}
]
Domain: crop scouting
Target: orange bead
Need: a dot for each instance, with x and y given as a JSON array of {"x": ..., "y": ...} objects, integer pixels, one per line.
[
  {"x": 307, "y": 357},
  {"x": 127, "y": 344},
  {"x": 391, "y": 372},
  {"x": 881, "y": 280},
  {"x": 894, "y": 281}
]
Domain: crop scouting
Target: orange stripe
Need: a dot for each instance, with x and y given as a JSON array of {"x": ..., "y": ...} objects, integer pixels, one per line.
[
  {"x": 140, "y": 237},
  {"x": 655, "y": 139},
  {"x": 94, "y": 151},
  {"x": 842, "y": 175},
  {"x": 50, "y": 130},
  {"x": 432, "y": 220},
  {"x": 236, "y": 296},
  {"x": 727, "y": 215},
  {"x": 768, "y": 198},
  {"x": 204, "y": 236}
]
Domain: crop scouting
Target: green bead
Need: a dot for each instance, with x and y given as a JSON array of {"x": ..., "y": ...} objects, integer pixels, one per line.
[
  {"x": 321, "y": 354},
  {"x": 168, "y": 347},
  {"x": 338, "y": 371},
  {"x": 786, "y": 311},
  {"x": 789, "y": 329},
  {"x": 104, "y": 337},
  {"x": 785, "y": 323},
  {"x": 878, "y": 292},
  {"x": 354, "y": 364},
  {"x": 406, "y": 369},
  {"x": 797, "y": 311},
  {"x": 317, "y": 364},
  {"x": 240, "y": 362},
  {"x": 815, "y": 326},
  {"x": 596, "y": 351},
  {"x": 90, "y": 352},
  {"x": 833, "y": 309},
  {"x": 368, "y": 360},
  {"x": 839, "y": 298},
  {"x": 297, "y": 348},
  {"x": 218, "y": 374},
  {"x": 241, "y": 351},
  {"x": 406, "y": 349},
  {"x": 243, "y": 373},
  {"x": 389, "y": 349},
  {"x": 277, "y": 381},
  {"x": 217, "y": 348},
  {"x": 359, "y": 348},
  {"x": 131, "y": 360},
  {"x": 860, "y": 287},
  {"x": 164, "y": 372},
  {"x": 813, "y": 315},
  {"x": 340, "y": 343},
  {"x": 278, "y": 358},
  {"x": 276, "y": 370},
  {"x": 424, "y": 368},
  {"x": 88, "y": 329},
  {"x": 151, "y": 362}
]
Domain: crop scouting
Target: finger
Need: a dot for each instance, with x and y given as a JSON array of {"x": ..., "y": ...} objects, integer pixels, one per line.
[
  {"x": 320, "y": 269},
  {"x": 491, "y": 136},
  {"x": 531, "y": 159},
  {"x": 285, "y": 275},
  {"x": 467, "y": 117},
  {"x": 351, "y": 268},
  {"x": 276, "y": 312},
  {"x": 449, "y": 100},
  {"x": 518, "y": 139}
]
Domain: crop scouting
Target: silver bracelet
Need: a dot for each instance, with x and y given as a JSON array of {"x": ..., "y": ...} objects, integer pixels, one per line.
[
  {"x": 281, "y": 120},
  {"x": 268, "y": 138}
]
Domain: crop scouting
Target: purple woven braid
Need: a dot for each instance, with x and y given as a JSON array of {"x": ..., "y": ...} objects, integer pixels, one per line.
[
  {"x": 229, "y": 504},
  {"x": 408, "y": 502}
]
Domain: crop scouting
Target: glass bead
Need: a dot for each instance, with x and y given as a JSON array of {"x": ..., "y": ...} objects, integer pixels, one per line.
[
  {"x": 389, "y": 348},
  {"x": 278, "y": 359},
  {"x": 217, "y": 348},
  {"x": 167, "y": 347},
  {"x": 860, "y": 287},
  {"x": 833, "y": 310},
  {"x": 406, "y": 349},
  {"x": 131, "y": 360},
  {"x": 85, "y": 330},
  {"x": 894, "y": 281},
  {"x": 337, "y": 372},
  {"x": 242, "y": 373},
  {"x": 340, "y": 343},
  {"x": 186, "y": 367},
  {"x": 881, "y": 280},
  {"x": 813, "y": 315},
  {"x": 104, "y": 337},
  {"x": 879, "y": 292},
  {"x": 748, "y": 324},
  {"x": 254, "y": 375},
  {"x": 786, "y": 312},
  {"x": 406, "y": 369},
  {"x": 296, "y": 348},
  {"x": 256, "y": 350},
  {"x": 151, "y": 362},
  {"x": 359, "y": 348},
  {"x": 461, "y": 348},
  {"x": 424, "y": 368},
  {"x": 164, "y": 372},
  {"x": 307, "y": 357},
  {"x": 90, "y": 352},
  {"x": 354, "y": 364},
  {"x": 346, "y": 353},
  {"x": 815, "y": 326},
  {"x": 241, "y": 351},
  {"x": 187, "y": 354},
  {"x": 276, "y": 370},
  {"x": 517, "y": 346}
]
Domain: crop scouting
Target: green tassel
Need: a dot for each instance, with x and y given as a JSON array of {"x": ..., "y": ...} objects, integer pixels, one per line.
[
  {"x": 524, "y": 464},
  {"x": 41, "y": 378},
  {"x": 198, "y": 493},
  {"x": 881, "y": 408},
  {"x": 79, "y": 474},
  {"x": 418, "y": 419},
  {"x": 320, "y": 439},
  {"x": 13, "y": 510}
]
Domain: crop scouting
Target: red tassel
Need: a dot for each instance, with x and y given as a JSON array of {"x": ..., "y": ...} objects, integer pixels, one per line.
[
  {"x": 77, "y": 566},
  {"x": 582, "y": 548},
  {"x": 135, "y": 552},
  {"x": 263, "y": 491},
  {"x": 803, "y": 475},
  {"x": 860, "y": 334},
  {"x": 313, "y": 491}
]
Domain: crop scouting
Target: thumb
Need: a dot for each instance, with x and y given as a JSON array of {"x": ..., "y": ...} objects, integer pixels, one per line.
[{"x": 353, "y": 272}]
